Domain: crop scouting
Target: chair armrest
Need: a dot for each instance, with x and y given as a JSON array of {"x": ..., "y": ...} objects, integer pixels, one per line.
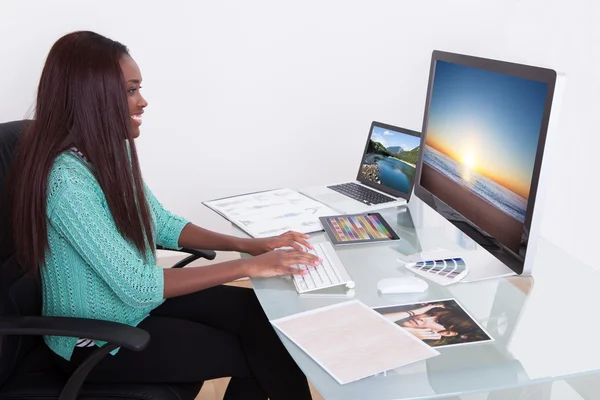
[
  {"x": 194, "y": 255},
  {"x": 208, "y": 254},
  {"x": 112, "y": 332},
  {"x": 115, "y": 334}
]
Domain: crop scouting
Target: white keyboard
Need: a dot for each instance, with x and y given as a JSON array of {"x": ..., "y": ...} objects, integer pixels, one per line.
[{"x": 331, "y": 272}]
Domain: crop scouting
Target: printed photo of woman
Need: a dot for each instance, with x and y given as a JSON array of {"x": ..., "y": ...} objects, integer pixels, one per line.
[{"x": 437, "y": 323}]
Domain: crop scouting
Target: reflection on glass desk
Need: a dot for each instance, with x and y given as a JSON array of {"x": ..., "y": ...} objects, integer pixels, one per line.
[{"x": 543, "y": 326}]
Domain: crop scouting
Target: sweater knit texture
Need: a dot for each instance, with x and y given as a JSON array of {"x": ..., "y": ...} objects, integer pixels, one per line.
[{"x": 90, "y": 269}]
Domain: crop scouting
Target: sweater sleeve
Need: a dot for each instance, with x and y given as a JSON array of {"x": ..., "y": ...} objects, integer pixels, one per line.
[
  {"x": 79, "y": 216},
  {"x": 168, "y": 225}
]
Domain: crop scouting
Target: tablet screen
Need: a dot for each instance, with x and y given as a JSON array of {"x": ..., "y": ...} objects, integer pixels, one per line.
[{"x": 358, "y": 228}]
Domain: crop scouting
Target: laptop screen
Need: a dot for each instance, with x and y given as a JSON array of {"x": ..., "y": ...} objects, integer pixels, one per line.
[{"x": 390, "y": 159}]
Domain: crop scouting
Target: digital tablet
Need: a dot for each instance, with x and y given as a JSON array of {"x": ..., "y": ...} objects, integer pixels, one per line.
[{"x": 357, "y": 228}]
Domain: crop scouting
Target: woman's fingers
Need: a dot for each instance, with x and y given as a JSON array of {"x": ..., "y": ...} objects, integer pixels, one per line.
[
  {"x": 304, "y": 258},
  {"x": 295, "y": 245},
  {"x": 296, "y": 271},
  {"x": 299, "y": 257},
  {"x": 304, "y": 243},
  {"x": 296, "y": 235},
  {"x": 299, "y": 238}
]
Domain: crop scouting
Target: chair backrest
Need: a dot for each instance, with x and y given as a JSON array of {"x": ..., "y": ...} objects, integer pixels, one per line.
[
  {"x": 9, "y": 137},
  {"x": 20, "y": 294}
]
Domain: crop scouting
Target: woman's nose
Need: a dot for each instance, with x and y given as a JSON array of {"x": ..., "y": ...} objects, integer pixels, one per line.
[{"x": 142, "y": 102}]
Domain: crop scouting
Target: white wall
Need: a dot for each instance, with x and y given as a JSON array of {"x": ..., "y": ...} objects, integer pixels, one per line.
[{"x": 254, "y": 95}]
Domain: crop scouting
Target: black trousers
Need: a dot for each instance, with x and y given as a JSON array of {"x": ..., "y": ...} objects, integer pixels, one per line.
[{"x": 214, "y": 333}]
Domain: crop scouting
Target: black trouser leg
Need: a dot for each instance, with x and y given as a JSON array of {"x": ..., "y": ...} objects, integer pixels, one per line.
[{"x": 217, "y": 332}]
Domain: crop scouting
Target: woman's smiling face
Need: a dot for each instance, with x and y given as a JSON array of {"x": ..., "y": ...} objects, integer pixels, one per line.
[{"x": 135, "y": 100}]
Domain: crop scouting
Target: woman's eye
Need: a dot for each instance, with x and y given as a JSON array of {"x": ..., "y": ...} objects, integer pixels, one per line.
[{"x": 133, "y": 89}]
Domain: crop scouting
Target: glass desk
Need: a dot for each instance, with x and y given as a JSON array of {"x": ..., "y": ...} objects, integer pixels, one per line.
[{"x": 544, "y": 328}]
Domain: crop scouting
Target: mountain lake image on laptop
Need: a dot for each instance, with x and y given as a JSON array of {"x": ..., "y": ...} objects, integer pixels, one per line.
[{"x": 391, "y": 159}]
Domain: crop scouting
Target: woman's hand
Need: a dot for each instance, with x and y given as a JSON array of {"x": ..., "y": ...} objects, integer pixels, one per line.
[
  {"x": 292, "y": 239},
  {"x": 424, "y": 334},
  {"x": 279, "y": 262}
]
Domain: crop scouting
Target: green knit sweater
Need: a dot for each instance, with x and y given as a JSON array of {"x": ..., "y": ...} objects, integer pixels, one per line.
[{"x": 90, "y": 270}]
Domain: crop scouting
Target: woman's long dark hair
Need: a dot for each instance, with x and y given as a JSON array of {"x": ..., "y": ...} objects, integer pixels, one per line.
[{"x": 82, "y": 102}]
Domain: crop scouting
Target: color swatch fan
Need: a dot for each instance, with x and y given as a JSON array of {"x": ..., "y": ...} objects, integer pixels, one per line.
[{"x": 442, "y": 272}]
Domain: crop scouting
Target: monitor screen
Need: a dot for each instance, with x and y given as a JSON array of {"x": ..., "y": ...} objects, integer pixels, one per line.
[
  {"x": 484, "y": 131},
  {"x": 390, "y": 159}
]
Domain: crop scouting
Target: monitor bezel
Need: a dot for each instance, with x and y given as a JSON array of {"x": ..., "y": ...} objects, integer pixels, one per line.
[
  {"x": 507, "y": 256},
  {"x": 379, "y": 186}
]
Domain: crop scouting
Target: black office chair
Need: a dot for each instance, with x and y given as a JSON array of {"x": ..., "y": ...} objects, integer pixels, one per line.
[{"x": 27, "y": 369}]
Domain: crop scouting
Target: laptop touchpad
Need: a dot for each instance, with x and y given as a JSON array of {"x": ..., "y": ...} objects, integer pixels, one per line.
[{"x": 332, "y": 197}]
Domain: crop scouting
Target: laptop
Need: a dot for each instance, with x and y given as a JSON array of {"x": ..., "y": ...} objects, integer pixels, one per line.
[{"x": 385, "y": 175}]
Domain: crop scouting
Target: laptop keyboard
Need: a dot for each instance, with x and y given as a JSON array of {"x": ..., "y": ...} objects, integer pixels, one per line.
[{"x": 361, "y": 193}]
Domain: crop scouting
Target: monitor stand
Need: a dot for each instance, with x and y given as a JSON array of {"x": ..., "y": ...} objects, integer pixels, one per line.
[
  {"x": 477, "y": 236},
  {"x": 483, "y": 265},
  {"x": 430, "y": 231},
  {"x": 437, "y": 243}
]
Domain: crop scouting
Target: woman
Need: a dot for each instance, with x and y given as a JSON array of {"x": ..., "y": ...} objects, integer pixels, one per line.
[
  {"x": 434, "y": 323},
  {"x": 84, "y": 219}
]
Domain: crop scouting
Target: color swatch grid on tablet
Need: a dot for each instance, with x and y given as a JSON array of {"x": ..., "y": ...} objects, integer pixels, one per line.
[{"x": 360, "y": 227}]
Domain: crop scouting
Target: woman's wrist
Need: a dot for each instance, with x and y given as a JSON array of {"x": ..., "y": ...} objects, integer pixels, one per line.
[
  {"x": 245, "y": 267},
  {"x": 242, "y": 245}
]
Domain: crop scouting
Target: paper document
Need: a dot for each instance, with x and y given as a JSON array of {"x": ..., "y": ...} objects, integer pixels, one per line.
[
  {"x": 351, "y": 341},
  {"x": 272, "y": 212}
]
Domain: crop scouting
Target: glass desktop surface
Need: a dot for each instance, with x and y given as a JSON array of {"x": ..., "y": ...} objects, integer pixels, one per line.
[{"x": 544, "y": 328}]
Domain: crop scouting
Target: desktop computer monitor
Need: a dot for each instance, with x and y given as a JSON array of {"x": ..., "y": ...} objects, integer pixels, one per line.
[{"x": 482, "y": 143}]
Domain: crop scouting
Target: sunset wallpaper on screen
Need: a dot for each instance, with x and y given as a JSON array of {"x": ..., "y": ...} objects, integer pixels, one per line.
[{"x": 481, "y": 143}]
